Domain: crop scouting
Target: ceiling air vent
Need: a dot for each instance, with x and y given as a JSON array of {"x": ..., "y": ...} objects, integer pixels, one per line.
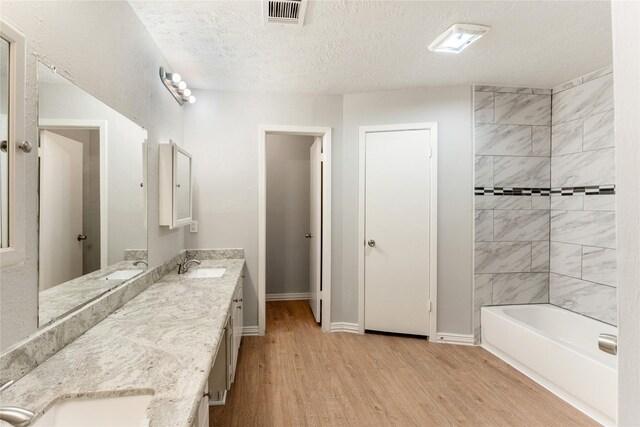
[{"x": 285, "y": 11}]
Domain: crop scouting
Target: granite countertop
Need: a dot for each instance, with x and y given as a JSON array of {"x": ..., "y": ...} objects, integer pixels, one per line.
[
  {"x": 60, "y": 299},
  {"x": 163, "y": 341}
]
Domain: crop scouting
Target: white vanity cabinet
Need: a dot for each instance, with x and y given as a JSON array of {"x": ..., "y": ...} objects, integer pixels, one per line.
[
  {"x": 175, "y": 186},
  {"x": 226, "y": 361}
]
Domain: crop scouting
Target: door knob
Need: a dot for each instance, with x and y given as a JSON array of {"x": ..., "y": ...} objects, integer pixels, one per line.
[
  {"x": 307, "y": 236},
  {"x": 81, "y": 237},
  {"x": 371, "y": 243}
]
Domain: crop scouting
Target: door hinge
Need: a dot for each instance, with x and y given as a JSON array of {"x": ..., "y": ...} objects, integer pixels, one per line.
[
  {"x": 429, "y": 306},
  {"x": 430, "y": 151}
]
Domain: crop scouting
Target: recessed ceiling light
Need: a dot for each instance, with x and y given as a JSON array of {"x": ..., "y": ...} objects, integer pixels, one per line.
[{"x": 457, "y": 38}]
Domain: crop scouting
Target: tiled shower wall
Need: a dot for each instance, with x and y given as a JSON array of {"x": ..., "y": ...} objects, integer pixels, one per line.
[
  {"x": 542, "y": 234},
  {"x": 512, "y": 180},
  {"x": 583, "y": 236}
]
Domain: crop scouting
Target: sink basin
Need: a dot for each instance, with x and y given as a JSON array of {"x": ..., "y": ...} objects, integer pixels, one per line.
[
  {"x": 122, "y": 411},
  {"x": 204, "y": 272},
  {"x": 123, "y": 274}
]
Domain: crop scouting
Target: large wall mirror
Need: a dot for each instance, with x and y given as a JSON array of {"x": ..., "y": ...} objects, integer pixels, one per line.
[{"x": 92, "y": 195}]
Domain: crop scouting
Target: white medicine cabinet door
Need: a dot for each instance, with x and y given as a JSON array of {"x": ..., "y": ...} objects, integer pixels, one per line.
[{"x": 176, "y": 191}]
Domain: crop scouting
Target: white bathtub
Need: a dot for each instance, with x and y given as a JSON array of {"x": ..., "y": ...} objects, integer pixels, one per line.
[{"x": 559, "y": 350}]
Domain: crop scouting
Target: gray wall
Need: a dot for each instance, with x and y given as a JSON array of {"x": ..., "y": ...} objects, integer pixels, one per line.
[
  {"x": 626, "y": 65},
  {"x": 104, "y": 49},
  {"x": 583, "y": 232},
  {"x": 221, "y": 132},
  {"x": 288, "y": 191},
  {"x": 451, "y": 107},
  {"x": 512, "y": 146}
]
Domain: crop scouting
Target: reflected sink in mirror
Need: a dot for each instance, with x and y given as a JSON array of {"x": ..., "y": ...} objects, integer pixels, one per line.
[
  {"x": 123, "y": 274},
  {"x": 204, "y": 272},
  {"x": 121, "y": 411}
]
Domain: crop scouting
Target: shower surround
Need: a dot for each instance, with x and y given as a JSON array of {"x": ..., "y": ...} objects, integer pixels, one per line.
[{"x": 544, "y": 185}]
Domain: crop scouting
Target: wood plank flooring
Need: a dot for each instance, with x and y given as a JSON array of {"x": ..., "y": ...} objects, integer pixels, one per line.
[{"x": 297, "y": 375}]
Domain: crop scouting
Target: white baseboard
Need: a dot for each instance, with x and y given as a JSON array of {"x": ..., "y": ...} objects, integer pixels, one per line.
[
  {"x": 250, "y": 331},
  {"x": 293, "y": 296},
  {"x": 345, "y": 327},
  {"x": 459, "y": 339}
]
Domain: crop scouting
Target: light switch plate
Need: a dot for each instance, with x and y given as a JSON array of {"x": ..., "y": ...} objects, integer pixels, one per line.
[{"x": 193, "y": 227}]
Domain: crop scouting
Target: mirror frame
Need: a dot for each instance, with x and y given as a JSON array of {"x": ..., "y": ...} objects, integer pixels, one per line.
[
  {"x": 14, "y": 253},
  {"x": 181, "y": 222}
]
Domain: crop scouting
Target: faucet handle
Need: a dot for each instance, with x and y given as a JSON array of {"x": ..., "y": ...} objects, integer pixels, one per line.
[{"x": 6, "y": 385}]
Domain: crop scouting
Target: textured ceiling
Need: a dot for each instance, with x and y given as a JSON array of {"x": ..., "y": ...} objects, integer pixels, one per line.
[{"x": 352, "y": 46}]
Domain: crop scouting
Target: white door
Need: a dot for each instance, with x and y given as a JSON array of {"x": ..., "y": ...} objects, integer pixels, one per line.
[
  {"x": 60, "y": 209},
  {"x": 397, "y": 211},
  {"x": 315, "y": 253}
]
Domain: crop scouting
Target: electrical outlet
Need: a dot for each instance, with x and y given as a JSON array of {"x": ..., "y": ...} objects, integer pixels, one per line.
[{"x": 193, "y": 227}]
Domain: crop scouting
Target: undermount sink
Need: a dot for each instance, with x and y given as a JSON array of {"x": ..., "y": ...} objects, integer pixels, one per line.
[
  {"x": 204, "y": 272},
  {"x": 121, "y": 411},
  {"x": 123, "y": 274}
]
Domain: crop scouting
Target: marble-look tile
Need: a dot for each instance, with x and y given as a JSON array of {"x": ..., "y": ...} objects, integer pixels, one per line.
[
  {"x": 567, "y": 85},
  {"x": 502, "y": 257},
  {"x": 591, "y": 228},
  {"x": 600, "y": 202},
  {"x": 482, "y": 295},
  {"x": 566, "y": 259},
  {"x": 584, "y": 100},
  {"x": 503, "y": 140},
  {"x": 598, "y": 131},
  {"x": 503, "y": 89},
  {"x": 484, "y": 226},
  {"x": 542, "y": 91},
  {"x": 540, "y": 256},
  {"x": 567, "y": 203},
  {"x": 522, "y": 109},
  {"x": 520, "y": 225},
  {"x": 587, "y": 168},
  {"x": 541, "y": 202},
  {"x": 521, "y": 171},
  {"x": 590, "y": 299},
  {"x": 483, "y": 107},
  {"x": 502, "y": 202},
  {"x": 541, "y": 140},
  {"x": 566, "y": 138},
  {"x": 520, "y": 288},
  {"x": 483, "y": 171},
  {"x": 597, "y": 74},
  {"x": 599, "y": 265}
]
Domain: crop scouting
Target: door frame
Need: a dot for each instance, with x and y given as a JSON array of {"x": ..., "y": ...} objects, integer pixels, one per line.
[
  {"x": 325, "y": 133},
  {"x": 101, "y": 127},
  {"x": 433, "y": 221}
]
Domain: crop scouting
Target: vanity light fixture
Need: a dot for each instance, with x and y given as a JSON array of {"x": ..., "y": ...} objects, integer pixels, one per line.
[
  {"x": 457, "y": 37},
  {"x": 178, "y": 87}
]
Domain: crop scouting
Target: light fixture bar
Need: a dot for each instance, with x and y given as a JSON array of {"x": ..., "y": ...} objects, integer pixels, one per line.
[
  {"x": 178, "y": 87},
  {"x": 457, "y": 37}
]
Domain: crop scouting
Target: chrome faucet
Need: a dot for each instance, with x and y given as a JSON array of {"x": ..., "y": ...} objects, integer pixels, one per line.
[
  {"x": 183, "y": 266},
  {"x": 15, "y": 416},
  {"x": 137, "y": 263}
]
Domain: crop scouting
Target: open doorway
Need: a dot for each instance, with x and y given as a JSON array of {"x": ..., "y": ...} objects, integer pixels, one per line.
[{"x": 295, "y": 221}]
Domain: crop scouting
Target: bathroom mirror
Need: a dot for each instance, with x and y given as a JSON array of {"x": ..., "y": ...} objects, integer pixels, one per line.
[
  {"x": 175, "y": 185},
  {"x": 92, "y": 197}
]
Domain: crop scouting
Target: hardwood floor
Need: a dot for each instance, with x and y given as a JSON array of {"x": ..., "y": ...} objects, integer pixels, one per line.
[{"x": 297, "y": 375}]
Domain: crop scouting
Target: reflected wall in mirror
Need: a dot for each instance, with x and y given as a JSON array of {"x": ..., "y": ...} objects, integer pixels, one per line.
[
  {"x": 4, "y": 143},
  {"x": 92, "y": 192}
]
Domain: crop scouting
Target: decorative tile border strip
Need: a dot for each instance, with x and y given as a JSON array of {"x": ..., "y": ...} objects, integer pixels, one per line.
[
  {"x": 511, "y": 191},
  {"x": 545, "y": 191},
  {"x": 587, "y": 190}
]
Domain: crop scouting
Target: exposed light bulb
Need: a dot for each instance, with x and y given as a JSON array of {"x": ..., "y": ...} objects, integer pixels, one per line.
[
  {"x": 173, "y": 77},
  {"x": 182, "y": 85},
  {"x": 192, "y": 99},
  {"x": 186, "y": 92}
]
